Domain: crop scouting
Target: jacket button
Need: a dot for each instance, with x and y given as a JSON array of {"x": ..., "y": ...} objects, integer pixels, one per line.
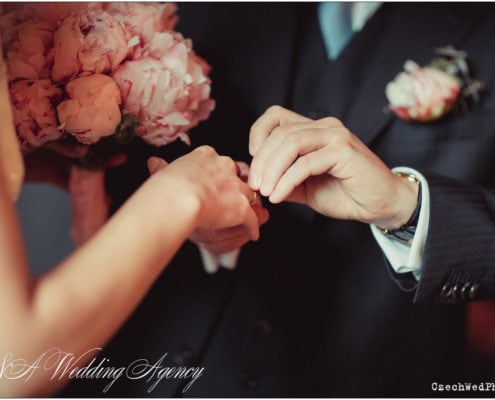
[
  {"x": 184, "y": 356},
  {"x": 314, "y": 114},
  {"x": 262, "y": 326},
  {"x": 473, "y": 291},
  {"x": 247, "y": 382}
]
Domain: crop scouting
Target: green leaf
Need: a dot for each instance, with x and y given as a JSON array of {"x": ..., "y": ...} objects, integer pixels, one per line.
[{"x": 125, "y": 130}]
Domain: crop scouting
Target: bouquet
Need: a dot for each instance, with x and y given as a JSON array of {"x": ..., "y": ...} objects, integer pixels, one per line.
[{"x": 100, "y": 72}]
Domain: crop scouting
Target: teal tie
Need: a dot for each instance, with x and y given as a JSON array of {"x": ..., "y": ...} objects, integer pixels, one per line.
[{"x": 336, "y": 26}]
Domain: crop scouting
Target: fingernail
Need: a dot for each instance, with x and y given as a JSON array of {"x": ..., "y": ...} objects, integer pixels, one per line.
[
  {"x": 265, "y": 188},
  {"x": 274, "y": 198},
  {"x": 254, "y": 180},
  {"x": 253, "y": 148}
]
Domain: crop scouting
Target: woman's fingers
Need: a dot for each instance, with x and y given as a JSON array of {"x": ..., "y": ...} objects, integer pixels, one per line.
[{"x": 155, "y": 164}]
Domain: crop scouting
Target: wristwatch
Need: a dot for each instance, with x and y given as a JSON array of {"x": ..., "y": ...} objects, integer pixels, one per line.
[{"x": 406, "y": 232}]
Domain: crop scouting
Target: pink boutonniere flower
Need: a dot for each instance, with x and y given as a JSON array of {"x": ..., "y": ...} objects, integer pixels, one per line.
[{"x": 428, "y": 93}]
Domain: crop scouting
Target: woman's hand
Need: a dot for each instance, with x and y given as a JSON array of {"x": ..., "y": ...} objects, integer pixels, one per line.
[
  {"x": 209, "y": 184},
  {"x": 225, "y": 240}
]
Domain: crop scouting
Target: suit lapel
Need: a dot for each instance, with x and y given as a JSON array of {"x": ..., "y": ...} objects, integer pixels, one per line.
[{"x": 428, "y": 27}]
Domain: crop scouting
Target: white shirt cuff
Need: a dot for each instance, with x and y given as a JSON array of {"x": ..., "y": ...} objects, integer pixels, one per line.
[
  {"x": 212, "y": 261},
  {"x": 408, "y": 257}
]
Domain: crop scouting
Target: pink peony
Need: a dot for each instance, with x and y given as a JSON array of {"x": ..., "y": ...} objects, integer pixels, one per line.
[
  {"x": 92, "y": 109},
  {"x": 9, "y": 18},
  {"x": 34, "y": 113},
  {"x": 91, "y": 41},
  {"x": 12, "y": 14},
  {"x": 29, "y": 50},
  {"x": 166, "y": 87},
  {"x": 422, "y": 94},
  {"x": 54, "y": 12},
  {"x": 144, "y": 19}
]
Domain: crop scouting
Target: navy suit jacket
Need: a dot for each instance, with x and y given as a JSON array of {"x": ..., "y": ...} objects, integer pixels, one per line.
[{"x": 312, "y": 309}]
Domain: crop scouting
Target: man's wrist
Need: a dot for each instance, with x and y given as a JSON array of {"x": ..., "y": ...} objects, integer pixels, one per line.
[
  {"x": 407, "y": 257},
  {"x": 405, "y": 231}
]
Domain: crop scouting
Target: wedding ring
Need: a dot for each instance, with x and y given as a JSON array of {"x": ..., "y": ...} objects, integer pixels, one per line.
[{"x": 255, "y": 196}]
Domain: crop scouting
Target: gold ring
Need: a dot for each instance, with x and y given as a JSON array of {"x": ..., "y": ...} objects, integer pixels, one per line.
[{"x": 255, "y": 196}]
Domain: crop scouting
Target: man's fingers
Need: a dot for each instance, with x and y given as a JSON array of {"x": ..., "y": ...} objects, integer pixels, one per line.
[
  {"x": 296, "y": 143},
  {"x": 273, "y": 117},
  {"x": 312, "y": 164},
  {"x": 272, "y": 142}
]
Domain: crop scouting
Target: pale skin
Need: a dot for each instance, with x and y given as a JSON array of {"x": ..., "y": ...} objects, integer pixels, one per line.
[
  {"x": 323, "y": 165},
  {"x": 81, "y": 302},
  {"x": 229, "y": 239}
]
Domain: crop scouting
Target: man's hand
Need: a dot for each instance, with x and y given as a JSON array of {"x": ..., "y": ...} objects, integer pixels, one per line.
[{"x": 323, "y": 165}]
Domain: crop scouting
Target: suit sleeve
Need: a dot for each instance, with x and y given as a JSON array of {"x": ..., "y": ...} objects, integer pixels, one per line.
[{"x": 459, "y": 255}]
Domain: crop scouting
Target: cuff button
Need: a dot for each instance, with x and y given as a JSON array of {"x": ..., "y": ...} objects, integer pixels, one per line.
[
  {"x": 446, "y": 291},
  {"x": 465, "y": 290},
  {"x": 473, "y": 291}
]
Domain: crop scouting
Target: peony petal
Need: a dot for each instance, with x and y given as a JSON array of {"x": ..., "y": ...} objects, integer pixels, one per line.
[{"x": 92, "y": 110}]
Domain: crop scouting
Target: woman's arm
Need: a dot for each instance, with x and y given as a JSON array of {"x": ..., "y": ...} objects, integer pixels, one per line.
[{"x": 79, "y": 304}]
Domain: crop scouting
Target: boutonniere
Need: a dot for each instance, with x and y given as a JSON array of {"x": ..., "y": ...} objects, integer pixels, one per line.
[{"x": 428, "y": 93}]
